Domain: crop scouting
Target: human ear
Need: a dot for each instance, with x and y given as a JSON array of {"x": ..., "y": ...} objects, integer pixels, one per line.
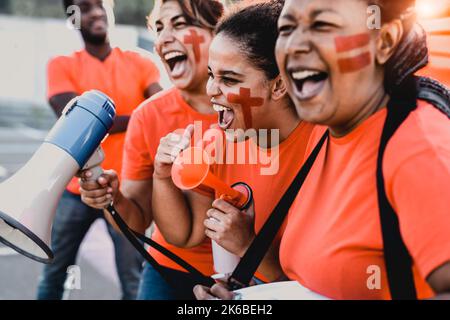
[
  {"x": 388, "y": 40},
  {"x": 278, "y": 88}
]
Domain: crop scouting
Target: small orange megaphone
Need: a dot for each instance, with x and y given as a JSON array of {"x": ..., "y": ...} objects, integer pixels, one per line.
[{"x": 192, "y": 168}]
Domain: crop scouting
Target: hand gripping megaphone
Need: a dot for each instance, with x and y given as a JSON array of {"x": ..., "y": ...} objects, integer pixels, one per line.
[
  {"x": 28, "y": 200},
  {"x": 190, "y": 170}
]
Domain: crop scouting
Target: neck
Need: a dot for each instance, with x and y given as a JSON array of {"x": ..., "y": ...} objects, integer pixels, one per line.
[
  {"x": 198, "y": 99},
  {"x": 376, "y": 102},
  {"x": 99, "y": 51},
  {"x": 283, "y": 118}
]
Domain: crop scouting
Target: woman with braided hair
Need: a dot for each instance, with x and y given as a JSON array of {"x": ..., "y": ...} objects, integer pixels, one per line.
[{"x": 372, "y": 219}]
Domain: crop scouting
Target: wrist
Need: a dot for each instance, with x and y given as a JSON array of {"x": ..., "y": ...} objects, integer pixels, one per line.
[
  {"x": 161, "y": 177},
  {"x": 246, "y": 246},
  {"x": 118, "y": 198}
]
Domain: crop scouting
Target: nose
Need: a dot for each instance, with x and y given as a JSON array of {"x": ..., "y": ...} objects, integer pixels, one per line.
[
  {"x": 165, "y": 36},
  {"x": 299, "y": 42},
  {"x": 212, "y": 89}
]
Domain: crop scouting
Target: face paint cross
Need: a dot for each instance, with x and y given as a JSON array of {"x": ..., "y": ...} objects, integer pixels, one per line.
[
  {"x": 346, "y": 44},
  {"x": 195, "y": 40},
  {"x": 245, "y": 99}
]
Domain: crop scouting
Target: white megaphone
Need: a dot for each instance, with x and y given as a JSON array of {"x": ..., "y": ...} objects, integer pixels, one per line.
[{"x": 28, "y": 200}]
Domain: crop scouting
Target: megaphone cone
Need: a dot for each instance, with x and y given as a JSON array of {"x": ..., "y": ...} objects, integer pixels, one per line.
[
  {"x": 192, "y": 168},
  {"x": 28, "y": 199}
]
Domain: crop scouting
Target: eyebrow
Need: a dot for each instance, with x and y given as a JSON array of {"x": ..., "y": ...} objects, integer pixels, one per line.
[
  {"x": 226, "y": 72},
  {"x": 316, "y": 12},
  {"x": 229, "y": 73},
  {"x": 313, "y": 14},
  {"x": 177, "y": 17},
  {"x": 172, "y": 19}
]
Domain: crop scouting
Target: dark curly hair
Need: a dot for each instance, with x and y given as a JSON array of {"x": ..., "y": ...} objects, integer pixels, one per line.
[{"x": 253, "y": 25}]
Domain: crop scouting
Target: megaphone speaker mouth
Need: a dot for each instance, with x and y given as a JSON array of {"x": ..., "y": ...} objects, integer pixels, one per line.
[
  {"x": 23, "y": 240},
  {"x": 190, "y": 168}
]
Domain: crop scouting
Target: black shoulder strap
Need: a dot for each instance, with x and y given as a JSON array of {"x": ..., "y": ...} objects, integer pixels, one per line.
[
  {"x": 249, "y": 263},
  {"x": 182, "y": 283},
  {"x": 397, "y": 258},
  {"x": 434, "y": 93}
]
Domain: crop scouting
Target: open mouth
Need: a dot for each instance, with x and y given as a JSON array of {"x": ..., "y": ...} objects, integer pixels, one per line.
[
  {"x": 176, "y": 60},
  {"x": 226, "y": 116},
  {"x": 308, "y": 83}
]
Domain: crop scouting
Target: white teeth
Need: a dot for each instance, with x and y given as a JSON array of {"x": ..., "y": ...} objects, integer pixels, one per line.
[
  {"x": 300, "y": 75},
  {"x": 173, "y": 54},
  {"x": 219, "y": 108}
]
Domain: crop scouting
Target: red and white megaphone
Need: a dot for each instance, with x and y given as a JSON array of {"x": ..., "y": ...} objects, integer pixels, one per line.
[
  {"x": 28, "y": 199},
  {"x": 190, "y": 170}
]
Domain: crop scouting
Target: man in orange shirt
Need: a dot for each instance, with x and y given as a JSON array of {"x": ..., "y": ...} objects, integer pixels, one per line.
[{"x": 128, "y": 79}]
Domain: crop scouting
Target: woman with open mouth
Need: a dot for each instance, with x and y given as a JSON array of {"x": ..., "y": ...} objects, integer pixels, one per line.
[
  {"x": 247, "y": 92},
  {"x": 184, "y": 30},
  {"x": 367, "y": 223}
]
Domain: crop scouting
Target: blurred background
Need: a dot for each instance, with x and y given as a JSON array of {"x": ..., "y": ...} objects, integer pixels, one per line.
[{"x": 33, "y": 31}]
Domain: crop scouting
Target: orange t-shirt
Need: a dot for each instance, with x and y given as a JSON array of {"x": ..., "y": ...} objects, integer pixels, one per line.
[
  {"x": 333, "y": 232},
  {"x": 268, "y": 172},
  {"x": 162, "y": 114},
  {"x": 123, "y": 76}
]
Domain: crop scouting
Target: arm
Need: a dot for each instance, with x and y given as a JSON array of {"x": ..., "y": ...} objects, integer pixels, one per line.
[
  {"x": 418, "y": 190},
  {"x": 170, "y": 204},
  {"x": 58, "y": 102},
  {"x": 152, "y": 89},
  {"x": 121, "y": 122},
  {"x": 439, "y": 281}
]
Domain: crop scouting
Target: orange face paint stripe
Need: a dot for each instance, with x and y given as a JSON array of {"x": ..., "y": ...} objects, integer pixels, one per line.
[
  {"x": 348, "y": 43},
  {"x": 195, "y": 40},
  {"x": 247, "y": 102},
  {"x": 354, "y": 63}
]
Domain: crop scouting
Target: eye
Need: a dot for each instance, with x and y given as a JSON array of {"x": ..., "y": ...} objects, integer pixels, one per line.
[
  {"x": 285, "y": 29},
  {"x": 210, "y": 75},
  {"x": 85, "y": 8},
  {"x": 180, "y": 24},
  {"x": 322, "y": 25},
  {"x": 229, "y": 81}
]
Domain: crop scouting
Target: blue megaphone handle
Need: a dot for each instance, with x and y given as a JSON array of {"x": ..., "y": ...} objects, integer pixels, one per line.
[{"x": 83, "y": 125}]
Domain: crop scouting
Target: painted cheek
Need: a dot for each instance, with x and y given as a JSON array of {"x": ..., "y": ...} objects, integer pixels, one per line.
[
  {"x": 247, "y": 102},
  {"x": 194, "y": 39},
  {"x": 350, "y": 56}
]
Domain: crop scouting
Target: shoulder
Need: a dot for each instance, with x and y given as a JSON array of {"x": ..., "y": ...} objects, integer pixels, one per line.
[
  {"x": 135, "y": 56},
  {"x": 426, "y": 132},
  {"x": 65, "y": 59},
  {"x": 163, "y": 102}
]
